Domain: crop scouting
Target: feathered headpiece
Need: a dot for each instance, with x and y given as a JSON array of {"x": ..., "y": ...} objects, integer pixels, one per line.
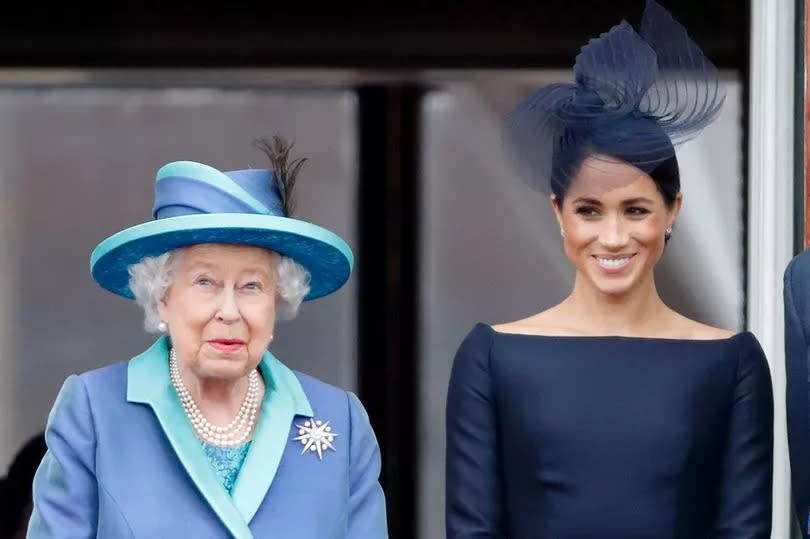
[
  {"x": 285, "y": 170},
  {"x": 196, "y": 204},
  {"x": 635, "y": 96}
]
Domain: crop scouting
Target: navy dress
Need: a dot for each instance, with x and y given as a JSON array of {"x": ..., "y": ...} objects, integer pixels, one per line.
[{"x": 608, "y": 438}]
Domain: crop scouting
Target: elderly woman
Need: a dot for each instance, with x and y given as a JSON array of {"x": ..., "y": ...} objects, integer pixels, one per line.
[{"x": 207, "y": 434}]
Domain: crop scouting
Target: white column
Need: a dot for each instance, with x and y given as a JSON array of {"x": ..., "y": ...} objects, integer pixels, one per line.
[{"x": 770, "y": 213}]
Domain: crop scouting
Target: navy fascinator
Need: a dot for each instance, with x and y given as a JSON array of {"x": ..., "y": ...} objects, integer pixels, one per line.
[{"x": 635, "y": 96}]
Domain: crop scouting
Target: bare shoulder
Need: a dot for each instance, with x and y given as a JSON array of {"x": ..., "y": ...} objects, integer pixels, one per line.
[
  {"x": 710, "y": 332},
  {"x": 692, "y": 329},
  {"x": 548, "y": 322}
]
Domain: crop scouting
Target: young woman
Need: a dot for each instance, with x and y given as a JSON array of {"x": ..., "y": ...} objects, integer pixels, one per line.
[{"x": 610, "y": 415}]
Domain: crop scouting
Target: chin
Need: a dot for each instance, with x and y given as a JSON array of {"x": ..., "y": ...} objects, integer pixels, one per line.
[
  {"x": 614, "y": 290},
  {"x": 614, "y": 286},
  {"x": 225, "y": 369}
]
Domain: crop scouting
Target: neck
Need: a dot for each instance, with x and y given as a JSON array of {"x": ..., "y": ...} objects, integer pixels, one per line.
[
  {"x": 635, "y": 312},
  {"x": 219, "y": 400}
]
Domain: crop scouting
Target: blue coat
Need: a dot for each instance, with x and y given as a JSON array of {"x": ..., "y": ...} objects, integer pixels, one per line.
[
  {"x": 797, "y": 355},
  {"x": 123, "y": 461}
]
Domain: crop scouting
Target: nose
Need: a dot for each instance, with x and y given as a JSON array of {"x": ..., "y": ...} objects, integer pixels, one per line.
[
  {"x": 613, "y": 233},
  {"x": 228, "y": 309}
]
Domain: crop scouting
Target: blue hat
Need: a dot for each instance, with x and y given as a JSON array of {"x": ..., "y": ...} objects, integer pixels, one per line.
[
  {"x": 196, "y": 203},
  {"x": 635, "y": 96}
]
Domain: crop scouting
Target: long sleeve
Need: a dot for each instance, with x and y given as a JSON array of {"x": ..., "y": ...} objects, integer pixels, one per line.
[
  {"x": 473, "y": 484},
  {"x": 65, "y": 492},
  {"x": 745, "y": 491},
  {"x": 796, "y": 362},
  {"x": 367, "y": 519}
]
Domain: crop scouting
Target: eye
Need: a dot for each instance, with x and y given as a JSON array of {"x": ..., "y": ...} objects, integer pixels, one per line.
[
  {"x": 637, "y": 211},
  {"x": 587, "y": 211},
  {"x": 252, "y": 285},
  {"x": 203, "y": 281}
]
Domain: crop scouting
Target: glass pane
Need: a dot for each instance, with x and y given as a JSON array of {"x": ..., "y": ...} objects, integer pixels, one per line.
[{"x": 78, "y": 164}]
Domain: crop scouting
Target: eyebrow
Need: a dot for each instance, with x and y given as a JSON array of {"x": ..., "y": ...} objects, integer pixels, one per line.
[
  {"x": 628, "y": 202},
  {"x": 209, "y": 266},
  {"x": 637, "y": 200},
  {"x": 586, "y": 200},
  {"x": 201, "y": 265}
]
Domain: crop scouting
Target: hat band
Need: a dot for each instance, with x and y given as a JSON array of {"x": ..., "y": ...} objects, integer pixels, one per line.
[
  {"x": 175, "y": 196},
  {"x": 187, "y": 188}
]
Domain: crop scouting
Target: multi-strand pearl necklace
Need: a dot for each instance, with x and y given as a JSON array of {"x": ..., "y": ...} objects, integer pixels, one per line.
[{"x": 233, "y": 434}]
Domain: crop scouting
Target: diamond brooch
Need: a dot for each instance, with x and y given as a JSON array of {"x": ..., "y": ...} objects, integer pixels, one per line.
[{"x": 316, "y": 436}]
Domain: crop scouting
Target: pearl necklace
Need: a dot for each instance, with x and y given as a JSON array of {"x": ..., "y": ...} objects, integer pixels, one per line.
[{"x": 233, "y": 434}]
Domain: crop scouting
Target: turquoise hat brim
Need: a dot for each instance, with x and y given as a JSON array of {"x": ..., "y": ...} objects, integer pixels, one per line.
[{"x": 324, "y": 254}]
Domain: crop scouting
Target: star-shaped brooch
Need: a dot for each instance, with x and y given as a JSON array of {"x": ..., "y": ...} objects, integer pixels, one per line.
[{"x": 316, "y": 436}]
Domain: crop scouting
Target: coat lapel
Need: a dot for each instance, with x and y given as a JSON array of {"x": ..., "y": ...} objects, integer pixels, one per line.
[
  {"x": 148, "y": 383},
  {"x": 284, "y": 399}
]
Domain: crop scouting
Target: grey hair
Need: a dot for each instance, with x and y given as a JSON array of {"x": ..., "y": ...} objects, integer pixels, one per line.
[{"x": 150, "y": 278}]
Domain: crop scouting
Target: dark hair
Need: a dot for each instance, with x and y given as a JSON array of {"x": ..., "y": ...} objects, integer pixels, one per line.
[{"x": 666, "y": 176}]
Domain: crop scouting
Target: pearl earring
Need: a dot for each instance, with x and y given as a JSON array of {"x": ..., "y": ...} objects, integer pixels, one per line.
[
  {"x": 163, "y": 327},
  {"x": 668, "y": 233},
  {"x": 562, "y": 232}
]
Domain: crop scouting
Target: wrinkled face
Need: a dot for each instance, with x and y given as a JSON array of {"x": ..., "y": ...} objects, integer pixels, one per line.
[
  {"x": 614, "y": 220},
  {"x": 220, "y": 308}
]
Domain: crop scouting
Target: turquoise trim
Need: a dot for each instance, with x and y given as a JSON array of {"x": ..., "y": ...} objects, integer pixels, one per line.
[
  {"x": 284, "y": 399},
  {"x": 222, "y": 221},
  {"x": 286, "y": 377},
  {"x": 148, "y": 383},
  {"x": 213, "y": 177},
  {"x": 249, "y": 217},
  {"x": 327, "y": 257}
]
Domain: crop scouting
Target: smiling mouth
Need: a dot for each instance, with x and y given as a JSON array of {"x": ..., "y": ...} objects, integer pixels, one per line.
[{"x": 613, "y": 262}]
